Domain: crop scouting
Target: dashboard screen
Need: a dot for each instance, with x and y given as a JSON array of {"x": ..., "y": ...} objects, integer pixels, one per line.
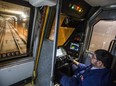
[{"x": 74, "y": 46}]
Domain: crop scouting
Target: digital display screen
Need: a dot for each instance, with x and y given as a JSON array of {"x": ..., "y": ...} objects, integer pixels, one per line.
[{"x": 74, "y": 46}]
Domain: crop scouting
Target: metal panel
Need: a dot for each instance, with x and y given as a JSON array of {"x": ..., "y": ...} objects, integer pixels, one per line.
[
  {"x": 15, "y": 73},
  {"x": 45, "y": 62}
]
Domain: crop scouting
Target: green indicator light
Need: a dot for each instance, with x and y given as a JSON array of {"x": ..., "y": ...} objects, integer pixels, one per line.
[
  {"x": 73, "y": 47},
  {"x": 73, "y": 7}
]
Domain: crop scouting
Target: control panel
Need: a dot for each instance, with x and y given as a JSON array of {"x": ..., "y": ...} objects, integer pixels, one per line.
[
  {"x": 74, "y": 44},
  {"x": 75, "y": 8}
]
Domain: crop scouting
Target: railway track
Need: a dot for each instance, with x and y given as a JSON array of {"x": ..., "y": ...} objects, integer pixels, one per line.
[
  {"x": 11, "y": 44},
  {"x": 2, "y": 34}
]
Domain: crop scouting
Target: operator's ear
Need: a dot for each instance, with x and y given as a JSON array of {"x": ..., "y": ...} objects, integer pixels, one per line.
[{"x": 100, "y": 63}]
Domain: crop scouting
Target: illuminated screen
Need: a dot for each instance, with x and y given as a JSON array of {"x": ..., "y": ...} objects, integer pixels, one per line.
[
  {"x": 74, "y": 46},
  {"x": 60, "y": 52}
]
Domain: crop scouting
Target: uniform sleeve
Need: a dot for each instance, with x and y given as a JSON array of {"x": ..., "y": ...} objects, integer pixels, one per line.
[
  {"x": 79, "y": 68},
  {"x": 82, "y": 66}
]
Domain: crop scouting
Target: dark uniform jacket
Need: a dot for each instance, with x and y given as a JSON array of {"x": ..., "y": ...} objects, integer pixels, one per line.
[{"x": 85, "y": 76}]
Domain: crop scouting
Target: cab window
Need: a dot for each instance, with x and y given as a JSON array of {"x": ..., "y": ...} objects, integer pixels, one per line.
[{"x": 103, "y": 32}]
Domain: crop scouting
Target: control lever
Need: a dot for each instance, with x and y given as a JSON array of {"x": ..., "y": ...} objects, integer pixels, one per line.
[
  {"x": 73, "y": 60},
  {"x": 70, "y": 58}
]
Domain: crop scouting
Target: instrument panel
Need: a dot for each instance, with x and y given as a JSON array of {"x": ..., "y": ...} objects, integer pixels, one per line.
[
  {"x": 74, "y": 44},
  {"x": 75, "y": 8}
]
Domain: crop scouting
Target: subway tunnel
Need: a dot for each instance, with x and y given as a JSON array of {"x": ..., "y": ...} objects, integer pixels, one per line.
[{"x": 14, "y": 22}]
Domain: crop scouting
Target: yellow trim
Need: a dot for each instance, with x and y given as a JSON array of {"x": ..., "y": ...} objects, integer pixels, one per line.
[{"x": 40, "y": 46}]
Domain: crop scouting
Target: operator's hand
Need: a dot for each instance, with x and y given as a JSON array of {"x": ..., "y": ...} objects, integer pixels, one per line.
[
  {"x": 76, "y": 62},
  {"x": 72, "y": 60}
]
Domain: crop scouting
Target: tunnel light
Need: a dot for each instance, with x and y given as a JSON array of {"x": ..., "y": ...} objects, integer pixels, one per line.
[
  {"x": 23, "y": 15},
  {"x": 11, "y": 11},
  {"x": 15, "y": 12}
]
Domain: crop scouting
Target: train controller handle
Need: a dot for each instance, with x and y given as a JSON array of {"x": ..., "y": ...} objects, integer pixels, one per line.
[{"x": 72, "y": 60}]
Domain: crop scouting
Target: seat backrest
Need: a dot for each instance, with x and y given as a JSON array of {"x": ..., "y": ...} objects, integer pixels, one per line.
[{"x": 86, "y": 59}]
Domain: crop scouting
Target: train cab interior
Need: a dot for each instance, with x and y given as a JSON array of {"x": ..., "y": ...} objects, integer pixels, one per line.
[{"x": 37, "y": 37}]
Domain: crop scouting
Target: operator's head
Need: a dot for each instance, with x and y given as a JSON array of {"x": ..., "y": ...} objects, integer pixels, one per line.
[{"x": 102, "y": 59}]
